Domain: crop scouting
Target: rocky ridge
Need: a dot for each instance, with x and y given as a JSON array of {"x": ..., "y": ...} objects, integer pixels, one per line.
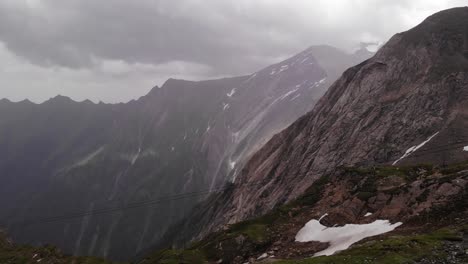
[{"x": 405, "y": 105}]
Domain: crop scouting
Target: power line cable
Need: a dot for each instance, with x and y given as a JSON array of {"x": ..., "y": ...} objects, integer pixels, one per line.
[{"x": 134, "y": 205}]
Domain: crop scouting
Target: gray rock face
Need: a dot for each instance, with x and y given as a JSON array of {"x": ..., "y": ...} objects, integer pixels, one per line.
[
  {"x": 64, "y": 158},
  {"x": 407, "y": 104}
]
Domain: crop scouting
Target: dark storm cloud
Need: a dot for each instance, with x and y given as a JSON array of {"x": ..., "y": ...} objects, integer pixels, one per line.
[
  {"x": 192, "y": 38},
  {"x": 74, "y": 33},
  {"x": 230, "y": 36}
]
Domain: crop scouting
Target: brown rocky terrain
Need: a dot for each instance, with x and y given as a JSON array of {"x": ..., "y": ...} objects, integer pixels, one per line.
[
  {"x": 405, "y": 105},
  {"x": 430, "y": 202}
]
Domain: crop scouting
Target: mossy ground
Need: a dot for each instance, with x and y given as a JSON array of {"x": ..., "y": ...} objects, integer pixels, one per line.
[
  {"x": 399, "y": 249},
  {"x": 409, "y": 173},
  {"x": 19, "y": 254},
  {"x": 24, "y": 254},
  {"x": 259, "y": 233},
  {"x": 176, "y": 257},
  {"x": 394, "y": 250}
]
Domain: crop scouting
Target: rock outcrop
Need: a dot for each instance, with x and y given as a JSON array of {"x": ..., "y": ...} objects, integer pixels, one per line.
[{"x": 427, "y": 204}]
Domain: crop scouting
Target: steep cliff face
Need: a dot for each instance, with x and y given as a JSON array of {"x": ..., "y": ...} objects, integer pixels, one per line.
[
  {"x": 407, "y": 104},
  {"x": 64, "y": 158}
]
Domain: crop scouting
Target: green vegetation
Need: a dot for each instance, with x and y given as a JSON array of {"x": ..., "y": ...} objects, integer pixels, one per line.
[
  {"x": 366, "y": 179},
  {"x": 393, "y": 250},
  {"x": 19, "y": 254},
  {"x": 176, "y": 257},
  {"x": 408, "y": 173},
  {"x": 255, "y": 236},
  {"x": 454, "y": 168},
  {"x": 256, "y": 232},
  {"x": 244, "y": 238}
]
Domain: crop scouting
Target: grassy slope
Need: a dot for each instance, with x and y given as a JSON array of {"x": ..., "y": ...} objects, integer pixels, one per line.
[
  {"x": 22, "y": 254},
  {"x": 258, "y": 233},
  {"x": 396, "y": 249}
]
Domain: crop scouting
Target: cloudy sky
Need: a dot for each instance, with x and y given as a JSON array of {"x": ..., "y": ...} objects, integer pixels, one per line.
[{"x": 117, "y": 50}]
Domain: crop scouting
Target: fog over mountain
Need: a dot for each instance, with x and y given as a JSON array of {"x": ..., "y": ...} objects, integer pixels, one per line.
[
  {"x": 116, "y": 51},
  {"x": 183, "y": 137}
]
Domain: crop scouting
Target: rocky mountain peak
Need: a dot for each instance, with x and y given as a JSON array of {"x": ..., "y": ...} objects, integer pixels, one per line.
[
  {"x": 405, "y": 105},
  {"x": 60, "y": 99},
  {"x": 446, "y": 30},
  {"x": 442, "y": 36},
  {"x": 5, "y": 101}
]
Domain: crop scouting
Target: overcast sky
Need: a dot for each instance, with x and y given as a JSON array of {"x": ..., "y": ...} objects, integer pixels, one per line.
[{"x": 117, "y": 50}]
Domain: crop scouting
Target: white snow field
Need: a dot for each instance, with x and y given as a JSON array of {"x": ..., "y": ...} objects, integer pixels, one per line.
[{"x": 341, "y": 237}]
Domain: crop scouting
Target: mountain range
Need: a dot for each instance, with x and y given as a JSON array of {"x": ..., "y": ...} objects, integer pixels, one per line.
[{"x": 70, "y": 170}]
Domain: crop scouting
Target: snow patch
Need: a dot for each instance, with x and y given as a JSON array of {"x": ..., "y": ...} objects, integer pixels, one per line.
[
  {"x": 232, "y": 92},
  {"x": 414, "y": 148},
  {"x": 251, "y": 77},
  {"x": 367, "y": 214},
  {"x": 133, "y": 157},
  {"x": 136, "y": 156},
  {"x": 264, "y": 255},
  {"x": 342, "y": 237},
  {"x": 232, "y": 164},
  {"x": 323, "y": 216},
  {"x": 465, "y": 148},
  {"x": 318, "y": 83},
  {"x": 288, "y": 94},
  {"x": 297, "y": 95},
  {"x": 88, "y": 158},
  {"x": 225, "y": 106},
  {"x": 283, "y": 68}
]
